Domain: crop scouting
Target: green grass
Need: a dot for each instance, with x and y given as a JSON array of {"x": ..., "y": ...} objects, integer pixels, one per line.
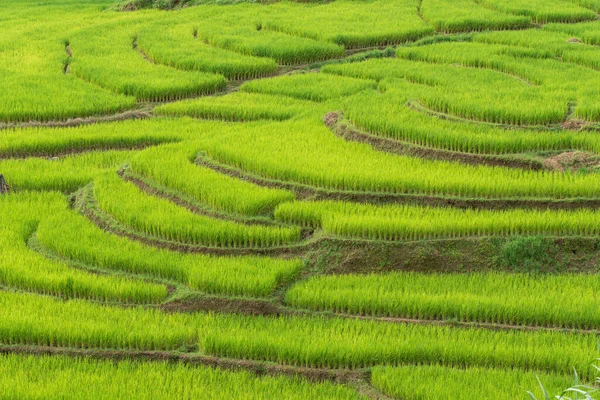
[{"x": 61, "y": 377}]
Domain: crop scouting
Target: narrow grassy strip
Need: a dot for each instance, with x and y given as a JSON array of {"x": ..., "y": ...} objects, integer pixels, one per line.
[
  {"x": 564, "y": 301},
  {"x": 352, "y": 24},
  {"x": 161, "y": 218},
  {"x": 542, "y": 11},
  {"x": 308, "y": 86},
  {"x": 307, "y": 152},
  {"x": 106, "y": 55},
  {"x": 443, "y": 383},
  {"x": 391, "y": 115},
  {"x": 172, "y": 166},
  {"x": 80, "y": 378},
  {"x": 451, "y": 16},
  {"x": 66, "y": 174},
  {"x": 22, "y": 268},
  {"x": 74, "y": 237},
  {"x": 174, "y": 45},
  {"x": 300, "y": 341},
  {"x": 407, "y": 222},
  {"x": 50, "y": 141},
  {"x": 238, "y": 107}
]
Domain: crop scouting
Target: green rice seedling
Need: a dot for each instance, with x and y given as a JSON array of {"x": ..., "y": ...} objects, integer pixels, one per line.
[
  {"x": 172, "y": 166},
  {"x": 564, "y": 301},
  {"x": 309, "y": 86},
  {"x": 243, "y": 36},
  {"x": 73, "y": 237},
  {"x": 392, "y": 115},
  {"x": 56, "y": 141},
  {"x": 24, "y": 269},
  {"x": 60, "y": 377},
  {"x": 107, "y": 56},
  {"x": 443, "y": 383},
  {"x": 407, "y": 222},
  {"x": 238, "y": 107},
  {"x": 460, "y": 91},
  {"x": 306, "y": 152},
  {"x": 33, "y": 64},
  {"x": 66, "y": 174},
  {"x": 351, "y": 24},
  {"x": 300, "y": 341},
  {"x": 451, "y": 16},
  {"x": 175, "y": 46},
  {"x": 542, "y": 11},
  {"x": 161, "y": 218}
]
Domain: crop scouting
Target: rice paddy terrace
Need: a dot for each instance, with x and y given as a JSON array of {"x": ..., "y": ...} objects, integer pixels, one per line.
[{"x": 355, "y": 199}]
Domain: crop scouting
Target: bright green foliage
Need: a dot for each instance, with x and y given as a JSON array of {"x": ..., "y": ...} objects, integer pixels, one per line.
[
  {"x": 399, "y": 222},
  {"x": 542, "y": 11},
  {"x": 237, "y": 106},
  {"x": 66, "y": 174},
  {"x": 352, "y": 23},
  {"x": 465, "y": 15},
  {"x": 315, "y": 87},
  {"x": 50, "y": 141},
  {"x": 158, "y": 217},
  {"x": 172, "y": 166},
  {"x": 79, "y": 378},
  {"x": 32, "y": 60},
  {"x": 107, "y": 56},
  {"x": 248, "y": 40},
  {"x": 176, "y": 46},
  {"x": 463, "y": 92},
  {"x": 302, "y": 341},
  {"x": 72, "y": 237},
  {"x": 443, "y": 383},
  {"x": 22, "y": 268},
  {"x": 517, "y": 299},
  {"x": 307, "y": 152},
  {"x": 391, "y": 114}
]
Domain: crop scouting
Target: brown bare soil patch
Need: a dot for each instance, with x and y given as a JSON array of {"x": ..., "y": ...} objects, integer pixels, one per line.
[{"x": 571, "y": 161}]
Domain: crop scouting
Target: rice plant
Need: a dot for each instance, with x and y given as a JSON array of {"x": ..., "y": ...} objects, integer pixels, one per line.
[
  {"x": 158, "y": 217},
  {"x": 82, "y": 378},
  {"x": 503, "y": 298}
]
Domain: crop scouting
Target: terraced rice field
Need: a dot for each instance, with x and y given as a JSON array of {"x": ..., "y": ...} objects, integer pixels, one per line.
[{"x": 353, "y": 199}]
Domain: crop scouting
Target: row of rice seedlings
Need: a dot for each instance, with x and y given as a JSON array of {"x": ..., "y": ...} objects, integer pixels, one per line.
[
  {"x": 407, "y": 222},
  {"x": 74, "y": 237},
  {"x": 549, "y": 42},
  {"x": 66, "y": 174},
  {"x": 238, "y": 107},
  {"x": 465, "y": 92},
  {"x": 309, "y": 86},
  {"x": 301, "y": 341},
  {"x": 105, "y": 55},
  {"x": 55, "y": 377},
  {"x": 34, "y": 86},
  {"x": 390, "y": 115},
  {"x": 161, "y": 218},
  {"x": 586, "y": 32},
  {"x": 451, "y": 16},
  {"x": 50, "y": 141},
  {"x": 176, "y": 46},
  {"x": 172, "y": 166},
  {"x": 542, "y": 11},
  {"x": 247, "y": 39},
  {"x": 24, "y": 269},
  {"x": 565, "y": 301},
  {"x": 307, "y": 152},
  {"x": 351, "y": 24},
  {"x": 443, "y": 383}
]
